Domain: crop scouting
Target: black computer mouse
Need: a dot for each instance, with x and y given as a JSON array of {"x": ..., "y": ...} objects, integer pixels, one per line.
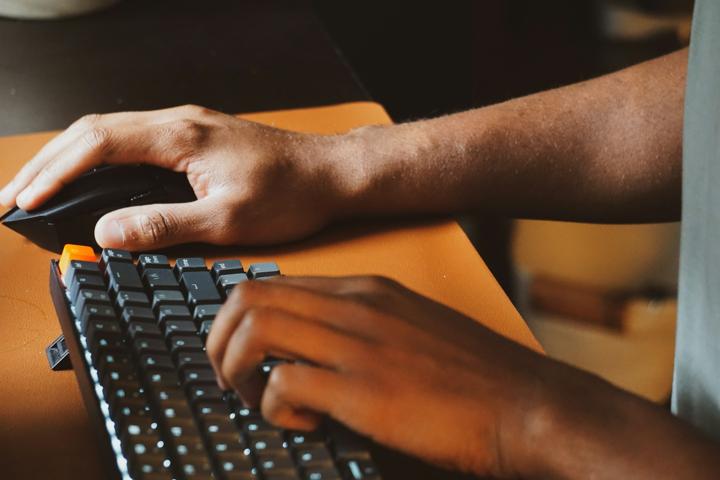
[{"x": 71, "y": 215}]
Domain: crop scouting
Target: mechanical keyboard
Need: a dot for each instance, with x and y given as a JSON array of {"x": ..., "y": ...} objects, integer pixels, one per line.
[{"x": 135, "y": 330}]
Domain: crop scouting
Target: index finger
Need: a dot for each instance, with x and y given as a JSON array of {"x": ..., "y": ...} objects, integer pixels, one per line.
[{"x": 152, "y": 144}]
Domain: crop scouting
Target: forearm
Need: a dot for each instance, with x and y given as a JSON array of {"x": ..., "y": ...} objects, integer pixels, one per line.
[
  {"x": 589, "y": 429},
  {"x": 608, "y": 150}
]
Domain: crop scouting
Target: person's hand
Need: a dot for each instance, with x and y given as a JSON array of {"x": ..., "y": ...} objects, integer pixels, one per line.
[
  {"x": 404, "y": 370},
  {"x": 254, "y": 184}
]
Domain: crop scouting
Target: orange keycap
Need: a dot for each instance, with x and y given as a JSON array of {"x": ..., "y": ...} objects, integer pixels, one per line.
[{"x": 75, "y": 252}]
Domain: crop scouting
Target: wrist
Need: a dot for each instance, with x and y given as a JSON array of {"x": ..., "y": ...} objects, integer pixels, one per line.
[
  {"x": 352, "y": 168},
  {"x": 570, "y": 427}
]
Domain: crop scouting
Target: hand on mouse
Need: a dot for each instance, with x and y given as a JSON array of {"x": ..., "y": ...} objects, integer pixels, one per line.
[
  {"x": 404, "y": 370},
  {"x": 254, "y": 183}
]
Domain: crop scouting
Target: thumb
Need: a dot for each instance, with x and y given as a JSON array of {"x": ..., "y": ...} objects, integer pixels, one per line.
[{"x": 150, "y": 227}]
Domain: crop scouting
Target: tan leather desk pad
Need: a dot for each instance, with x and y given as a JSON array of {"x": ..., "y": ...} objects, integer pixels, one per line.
[{"x": 44, "y": 431}]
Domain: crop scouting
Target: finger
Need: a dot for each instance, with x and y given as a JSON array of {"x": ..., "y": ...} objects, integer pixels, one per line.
[
  {"x": 264, "y": 332},
  {"x": 163, "y": 145},
  {"x": 30, "y": 170},
  {"x": 296, "y": 395},
  {"x": 160, "y": 225},
  {"x": 32, "y": 167},
  {"x": 332, "y": 311},
  {"x": 350, "y": 285}
]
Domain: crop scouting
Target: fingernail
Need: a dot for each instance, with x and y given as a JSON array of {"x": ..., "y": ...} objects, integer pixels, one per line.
[{"x": 111, "y": 235}]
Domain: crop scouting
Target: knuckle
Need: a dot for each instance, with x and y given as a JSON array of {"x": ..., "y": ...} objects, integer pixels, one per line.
[
  {"x": 96, "y": 138},
  {"x": 193, "y": 109},
  {"x": 158, "y": 226},
  {"x": 230, "y": 372},
  {"x": 245, "y": 293},
  {"x": 189, "y": 132},
  {"x": 88, "y": 120},
  {"x": 255, "y": 323},
  {"x": 375, "y": 283},
  {"x": 279, "y": 381}
]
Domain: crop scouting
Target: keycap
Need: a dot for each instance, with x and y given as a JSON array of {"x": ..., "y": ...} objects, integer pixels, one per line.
[
  {"x": 233, "y": 462},
  {"x": 96, "y": 312},
  {"x": 143, "y": 330},
  {"x": 174, "y": 328},
  {"x": 74, "y": 252},
  {"x": 118, "y": 373},
  {"x": 136, "y": 427},
  {"x": 167, "y": 297},
  {"x": 95, "y": 330},
  {"x": 199, "y": 288},
  {"x": 217, "y": 426},
  {"x": 168, "y": 397},
  {"x": 321, "y": 473},
  {"x": 261, "y": 428},
  {"x": 122, "y": 276},
  {"x": 225, "y": 267},
  {"x": 267, "y": 444},
  {"x": 160, "y": 279},
  {"x": 76, "y": 267},
  {"x": 156, "y": 361},
  {"x": 198, "y": 393},
  {"x": 161, "y": 379},
  {"x": 143, "y": 444},
  {"x": 179, "y": 344},
  {"x": 127, "y": 410},
  {"x": 191, "y": 264},
  {"x": 192, "y": 360},
  {"x": 112, "y": 359},
  {"x": 198, "y": 376},
  {"x": 91, "y": 297},
  {"x": 150, "y": 260},
  {"x": 227, "y": 442},
  {"x": 361, "y": 469},
  {"x": 305, "y": 439},
  {"x": 346, "y": 443},
  {"x": 263, "y": 270},
  {"x": 102, "y": 342},
  {"x": 110, "y": 254},
  {"x": 205, "y": 312},
  {"x": 204, "y": 330},
  {"x": 173, "y": 312},
  {"x": 318, "y": 456},
  {"x": 85, "y": 281},
  {"x": 188, "y": 445},
  {"x": 126, "y": 298},
  {"x": 243, "y": 415},
  {"x": 181, "y": 427},
  {"x": 144, "y": 346},
  {"x": 277, "y": 462},
  {"x": 196, "y": 467},
  {"x": 137, "y": 314},
  {"x": 143, "y": 466},
  {"x": 129, "y": 390},
  {"x": 205, "y": 409},
  {"x": 225, "y": 282}
]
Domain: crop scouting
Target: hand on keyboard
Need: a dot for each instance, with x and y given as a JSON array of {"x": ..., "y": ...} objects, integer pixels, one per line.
[
  {"x": 406, "y": 371},
  {"x": 243, "y": 173}
]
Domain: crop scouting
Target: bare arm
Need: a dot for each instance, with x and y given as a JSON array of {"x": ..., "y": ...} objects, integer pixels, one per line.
[{"x": 606, "y": 150}]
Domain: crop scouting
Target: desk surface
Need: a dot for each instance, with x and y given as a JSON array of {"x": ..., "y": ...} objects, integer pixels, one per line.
[
  {"x": 44, "y": 431},
  {"x": 229, "y": 55}
]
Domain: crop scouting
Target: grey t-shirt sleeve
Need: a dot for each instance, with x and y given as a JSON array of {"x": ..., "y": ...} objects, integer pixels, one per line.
[{"x": 696, "y": 383}]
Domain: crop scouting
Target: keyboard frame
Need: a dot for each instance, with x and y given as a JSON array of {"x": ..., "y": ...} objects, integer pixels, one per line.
[{"x": 102, "y": 424}]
